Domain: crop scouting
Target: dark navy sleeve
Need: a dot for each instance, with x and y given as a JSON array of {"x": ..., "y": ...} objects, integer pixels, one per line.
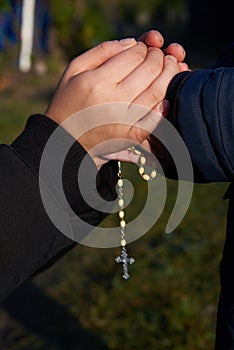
[{"x": 202, "y": 110}]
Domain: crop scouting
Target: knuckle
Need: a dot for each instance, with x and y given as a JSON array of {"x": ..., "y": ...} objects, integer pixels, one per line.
[
  {"x": 71, "y": 69},
  {"x": 155, "y": 51},
  {"x": 154, "y": 64},
  {"x": 171, "y": 59},
  {"x": 140, "y": 52},
  {"x": 104, "y": 45},
  {"x": 137, "y": 134},
  {"x": 154, "y": 96},
  {"x": 85, "y": 83},
  {"x": 153, "y": 69},
  {"x": 171, "y": 64}
]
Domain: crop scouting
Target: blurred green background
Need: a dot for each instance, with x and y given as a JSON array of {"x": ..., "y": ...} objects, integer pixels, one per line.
[{"x": 170, "y": 301}]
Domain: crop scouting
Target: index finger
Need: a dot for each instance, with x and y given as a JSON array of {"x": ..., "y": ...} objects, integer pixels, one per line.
[
  {"x": 99, "y": 54},
  {"x": 121, "y": 65}
]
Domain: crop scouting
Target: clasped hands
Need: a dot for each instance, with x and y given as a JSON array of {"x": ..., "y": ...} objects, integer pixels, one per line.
[{"x": 132, "y": 75}]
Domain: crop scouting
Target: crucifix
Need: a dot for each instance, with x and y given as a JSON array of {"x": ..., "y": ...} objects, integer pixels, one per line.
[{"x": 125, "y": 260}]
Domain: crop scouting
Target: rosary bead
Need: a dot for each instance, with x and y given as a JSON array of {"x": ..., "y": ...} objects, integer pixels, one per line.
[
  {"x": 141, "y": 170},
  {"x": 137, "y": 152},
  {"x": 123, "y": 242},
  {"x": 122, "y": 223},
  {"x": 121, "y": 214},
  {"x": 146, "y": 177},
  {"x": 153, "y": 174},
  {"x": 142, "y": 160},
  {"x": 120, "y": 183},
  {"x": 121, "y": 202}
]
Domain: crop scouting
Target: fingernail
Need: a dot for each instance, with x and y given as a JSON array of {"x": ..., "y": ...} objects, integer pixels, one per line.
[
  {"x": 163, "y": 107},
  {"x": 127, "y": 42}
]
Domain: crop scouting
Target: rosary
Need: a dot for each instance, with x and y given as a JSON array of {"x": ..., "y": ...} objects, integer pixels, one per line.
[{"x": 123, "y": 258}]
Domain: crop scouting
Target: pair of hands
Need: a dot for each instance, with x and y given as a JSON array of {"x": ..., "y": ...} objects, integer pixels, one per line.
[{"x": 116, "y": 91}]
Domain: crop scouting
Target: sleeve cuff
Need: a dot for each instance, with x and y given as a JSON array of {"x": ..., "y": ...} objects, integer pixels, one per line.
[
  {"x": 31, "y": 142},
  {"x": 172, "y": 93}
]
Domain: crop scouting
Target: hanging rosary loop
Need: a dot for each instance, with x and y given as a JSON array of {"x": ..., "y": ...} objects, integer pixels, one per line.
[{"x": 124, "y": 259}]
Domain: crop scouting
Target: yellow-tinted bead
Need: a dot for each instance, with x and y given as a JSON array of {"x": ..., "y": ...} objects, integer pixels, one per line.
[
  {"x": 121, "y": 203},
  {"x": 146, "y": 177},
  {"x": 141, "y": 170},
  {"x": 123, "y": 242},
  {"x": 142, "y": 160},
  {"x": 153, "y": 174},
  {"x": 121, "y": 214},
  {"x": 122, "y": 223},
  {"x": 120, "y": 183},
  {"x": 137, "y": 152}
]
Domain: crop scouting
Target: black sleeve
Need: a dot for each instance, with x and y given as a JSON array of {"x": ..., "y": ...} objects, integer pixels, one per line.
[{"x": 30, "y": 242}]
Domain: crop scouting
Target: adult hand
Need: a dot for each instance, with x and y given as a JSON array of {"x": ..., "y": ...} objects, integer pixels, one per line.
[{"x": 119, "y": 71}]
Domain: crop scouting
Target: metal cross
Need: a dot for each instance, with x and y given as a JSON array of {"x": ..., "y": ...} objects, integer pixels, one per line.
[{"x": 125, "y": 260}]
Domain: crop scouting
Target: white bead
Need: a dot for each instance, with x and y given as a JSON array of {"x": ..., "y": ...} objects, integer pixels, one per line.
[
  {"x": 121, "y": 202},
  {"x": 146, "y": 177},
  {"x": 121, "y": 214},
  {"x": 142, "y": 160},
  {"x": 141, "y": 170},
  {"x": 137, "y": 152},
  {"x": 153, "y": 174},
  {"x": 122, "y": 223},
  {"x": 120, "y": 183},
  {"x": 123, "y": 242}
]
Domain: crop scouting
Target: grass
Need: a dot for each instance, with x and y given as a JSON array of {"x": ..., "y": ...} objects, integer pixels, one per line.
[{"x": 81, "y": 302}]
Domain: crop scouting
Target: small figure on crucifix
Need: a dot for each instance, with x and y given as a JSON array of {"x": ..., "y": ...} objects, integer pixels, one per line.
[{"x": 125, "y": 260}]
